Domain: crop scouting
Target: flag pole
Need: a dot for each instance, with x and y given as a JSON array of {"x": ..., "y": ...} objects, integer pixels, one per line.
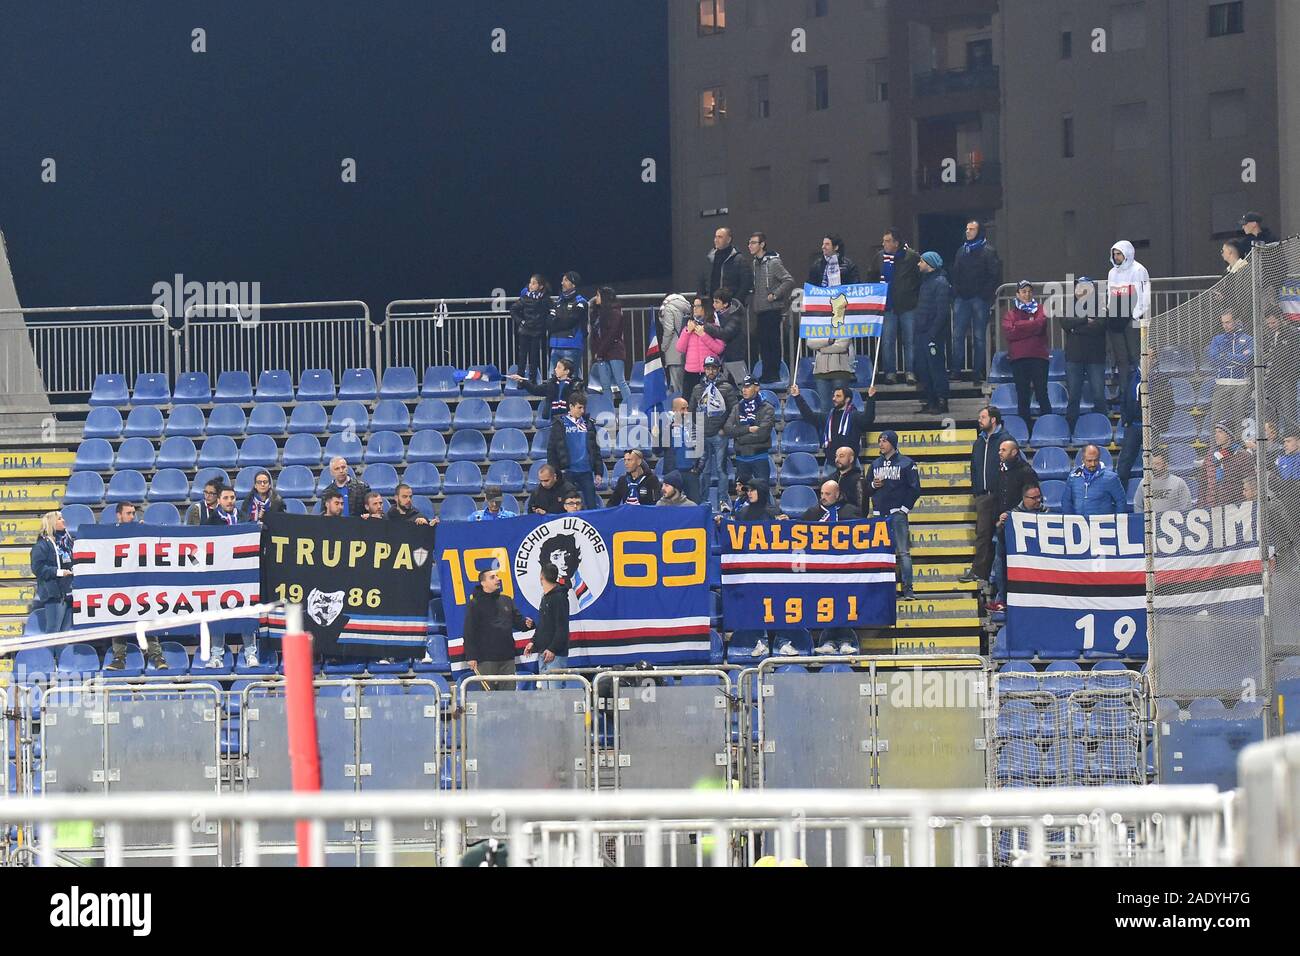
[{"x": 304, "y": 748}]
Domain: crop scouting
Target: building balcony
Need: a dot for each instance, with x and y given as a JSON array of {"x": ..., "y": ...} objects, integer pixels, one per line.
[
  {"x": 940, "y": 82},
  {"x": 931, "y": 176}
]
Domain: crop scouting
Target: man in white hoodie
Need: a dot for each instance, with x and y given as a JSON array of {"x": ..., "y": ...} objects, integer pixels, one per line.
[{"x": 1128, "y": 307}]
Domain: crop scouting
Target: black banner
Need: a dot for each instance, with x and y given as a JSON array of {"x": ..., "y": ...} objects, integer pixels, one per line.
[{"x": 363, "y": 584}]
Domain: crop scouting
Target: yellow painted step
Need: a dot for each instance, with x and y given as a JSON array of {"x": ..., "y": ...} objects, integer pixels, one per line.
[
  {"x": 943, "y": 508},
  {"x": 12, "y": 628},
  {"x": 958, "y": 644},
  {"x": 936, "y": 541},
  {"x": 941, "y": 475},
  {"x": 940, "y": 577},
  {"x": 36, "y": 464},
  {"x": 32, "y": 505},
  {"x": 18, "y": 540},
  {"x": 10, "y": 526},
  {"x": 930, "y": 442},
  {"x": 940, "y": 611},
  {"x": 19, "y": 593},
  {"x": 14, "y": 574}
]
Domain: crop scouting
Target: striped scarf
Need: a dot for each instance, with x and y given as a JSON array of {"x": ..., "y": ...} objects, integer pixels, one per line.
[
  {"x": 748, "y": 408},
  {"x": 561, "y": 403},
  {"x": 842, "y": 429},
  {"x": 1029, "y": 308},
  {"x": 830, "y": 514},
  {"x": 258, "y": 509},
  {"x": 633, "y": 490}
]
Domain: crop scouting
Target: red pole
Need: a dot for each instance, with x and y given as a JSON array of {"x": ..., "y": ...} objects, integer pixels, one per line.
[{"x": 304, "y": 750}]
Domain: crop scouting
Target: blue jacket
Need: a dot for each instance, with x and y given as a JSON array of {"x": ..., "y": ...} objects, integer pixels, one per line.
[
  {"x": 933, "y": 309},
  {"x": 50, "y": 588},
  {"x": 1231, "y": 354},
  {"x": 569, "y": 322},
  {"x": 901, "y": 488},
  {"x": 1105, "y": 496},
  {"x": 984, "y": 461}
]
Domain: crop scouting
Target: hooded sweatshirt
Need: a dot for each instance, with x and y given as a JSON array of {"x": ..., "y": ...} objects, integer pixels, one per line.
[
  {"x": 1129, "y": 289},
  {"x": 760, "y": 510}
]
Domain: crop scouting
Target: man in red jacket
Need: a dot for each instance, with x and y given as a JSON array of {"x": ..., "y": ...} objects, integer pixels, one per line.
[{"x": 1025, "y": 329}]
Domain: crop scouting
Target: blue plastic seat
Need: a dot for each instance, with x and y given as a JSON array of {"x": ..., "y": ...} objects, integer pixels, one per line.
[
  {"x": 1053, "y": 492},
  {"x": 109, "y": 390},
  {"x": 385, "y": 447},
  {"x": 797, "y": 499},
  {"x": 259, "y": 450},
  {"x": 514, "y": 413},
  {"x": 346, "y": 446},
  {"x": 227, "y": 420},
  {"x": 151, "y": 388},
  {"x": 1050, "y": 431},
  {"x": 308, "y": 419},
  {"x": 1056, "y": 365},
  {"x": 186, "y": 421},
  {"x": 1004, "y": 399},
  {"x": 467, "y": 446},
  {"x": 440, "y": 382},
  {"x": 1093, "y": 429},
  {"x": 506, "y": 475},
  {"x": 391, "y": 416},
  {"x": 788, "y": 411},
  {"x": 358, "y": 385},
  {"x": 472, "y": 414},
  {"x": 295, "y": 506},
  {"x": 137, "y": 453},
  {"x": 162, "y": 512},
  {"x": 77, "y": 661},
  {"x": 1174, "y": 361},
  {"x": 193, "y": 388},
  {"x": 462, "y": 478},
  {"x": 296, "y": 481},
  {"x": 1015, "y": 426},
  {"x": 432, "y": 413},
  {"x": 219, "y": 451},
  {"x": 103, "y": 423},
  {"x": 509, "y": 444},
  {"x": 399, "y": 383},
  {"x": 1181, "y": 428},
  {"x": 1057, "y": 395},
  {"x": 599, "y": 404},
  {"x": 1134, "y": 488},
  {"x": 267, "y": 420},
  {"x": 93, "y": 454},
  {"x": 203, "y": 476},
  {"x": 1183, "y": 394},
  {"x": 1052, "y": 464},
  {"x": 1000, "y": 369},
  {"x": 538, "y": 450},
  {"x": 74, "y": 516},
  {"x": 382, "y": 477},
  {"x": 800, "y": 436},
  {"x": 302, "y": 450},
  {"x": 244, "y": 481},
  {"x": 457, "y": 508},
  {"x": 144, "y": 422},
  {"x": 1106, "y": 458},
  {"x": 1181, "y": 458},
  {"x": 424, "y": 505},
  {"x": 799, "y": 468},
  {"x": 169, "y": 484},
  {"x": 488, "y": 387},
  {"x": 428, "y": 446},
  {"x": 423, "y": 477},
  {"x": 316, "y": 385},
  {"x": 177, "y": 658},
  {"x": 350, "y": 416},
  {"x": 233, "y": 388},
  {"x": 109, "y": 516},
  {"x": 781, "y": 379},
  {"x": 126, "y": 485},
  {"x": 84, "y": 488},
  {"x": 274, "y": 386}
]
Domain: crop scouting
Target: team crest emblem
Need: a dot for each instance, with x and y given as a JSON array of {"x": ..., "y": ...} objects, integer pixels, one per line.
[
  {"x": 323, "y": 607},
  {"x": 421, "y": 555},
  {"x": 578, "y": 552}
]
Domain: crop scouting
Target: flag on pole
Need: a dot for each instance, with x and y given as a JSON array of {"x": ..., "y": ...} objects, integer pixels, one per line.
[
  {"x": 655, "y": 389},
  {"x": 1289, "y": 297},
  {"x": 843, "y": 311}
]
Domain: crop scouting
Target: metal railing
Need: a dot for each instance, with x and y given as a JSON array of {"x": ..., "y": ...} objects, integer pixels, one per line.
[
  {"x": 1172, "y": 826},
  {"x": 938, "y": 82},
  {"x": 1269, "y": 819},
  {"x": 967, "y": 174}
]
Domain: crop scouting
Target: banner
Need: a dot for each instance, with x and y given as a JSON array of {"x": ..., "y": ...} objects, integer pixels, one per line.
[
  {"x": 363, "y": 585},
  {"x": 139, "y": 572},
  {"x": 790, "y": 574},
  {"x": 1076, "y": 586},
  {"x": 843, "y": 311},
  {"x": 638, "y": 579},
  {"x": 1289, "y": 298}
]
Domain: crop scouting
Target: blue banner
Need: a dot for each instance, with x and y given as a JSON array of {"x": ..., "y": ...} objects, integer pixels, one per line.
[
  {"x": 852, "y": 311},
  {"x": 793, "y": 574},
  {"x": 637, "y": 579}
]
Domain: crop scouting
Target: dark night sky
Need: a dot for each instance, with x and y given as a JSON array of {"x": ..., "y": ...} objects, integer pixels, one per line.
[{"x": 474, "y": 168}]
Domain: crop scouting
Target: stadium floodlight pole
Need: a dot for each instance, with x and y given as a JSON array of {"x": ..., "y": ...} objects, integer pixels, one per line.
[
  {"x": 300, "y": 711},
  {"x": 1259, "y": 331}
]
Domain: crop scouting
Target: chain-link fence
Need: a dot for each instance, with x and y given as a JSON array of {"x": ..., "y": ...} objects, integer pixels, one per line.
[{"x": 1220, "y": 434}]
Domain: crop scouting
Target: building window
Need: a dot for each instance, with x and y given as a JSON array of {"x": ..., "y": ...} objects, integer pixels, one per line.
[
  {"x": 760, "y": 98},
  {"x": 1133, "y": 222},
  {"x": 1225, "y": 213},
  {"x": 878, "y": 81},
  {"x": 820, "y": 181},
  {"x": 760, "y": 187},
  {"x": 1227, "y": 114},
  {"x": 713, "y": 106},
  {"x": 979, "y": 55},
  {"x": 882, "y": 173},
  {"x": 821, "y": 88},
  {"x": 818, "y": 8},
  {"x": 1067, "y": 137},
  {"x": 713, "y": 196},
  {"x": 1227, "y": 18},
  {"x": 713, "y": 17},
  {"x": 1128, "y": 26},
  {"x": 1067, "y": 45},
  {"x": 1129, "y": 122}
]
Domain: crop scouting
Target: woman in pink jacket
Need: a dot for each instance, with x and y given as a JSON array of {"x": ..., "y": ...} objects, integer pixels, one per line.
[
  {"x": 1025, "y": 328},
  {"x": 696, "y": 345}
]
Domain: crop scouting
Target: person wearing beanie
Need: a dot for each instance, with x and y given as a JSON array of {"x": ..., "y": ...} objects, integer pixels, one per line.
[
  {"x": 1085, "y": 349},
  {"x": 1025, "y": 328},
  {"x": 673, "y": 496},
  {"x": 1226, "y": 468},
  {"x": 933, "y": 329},
  {"x": 758, "y": 503},
  {"x": 976, "y": 272},
  {"x": 568, "y": 327},
  {"x": 893, "y": 487}
]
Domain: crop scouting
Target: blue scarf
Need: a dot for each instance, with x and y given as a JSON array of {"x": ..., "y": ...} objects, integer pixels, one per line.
[
  {"x": 529, "y": 294},
  {"x": 633, "y": 490},
  {"x": 831, "y": 514},
  {"x": 63, "y": 548},
  {"x": 1090, "y": 476},
  {"x": 1029, "y": 308},
  {"x": 843, "y": 428},
  {"x": 749, "y": 410},
  {"x": 259, "y": 507}
]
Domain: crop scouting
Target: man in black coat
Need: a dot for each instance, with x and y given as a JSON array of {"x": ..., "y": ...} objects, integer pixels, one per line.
[
  {"x": 833, "y": 267},
  {"x": 490, "y": 622},
  {"x": 843, "y": 426},
  {"x": 848, "y": 475},
  {"x": 898, "y": 266},
  {"x": 975, "y": 273},
  {"x": 728, "y": 268},
  {"x": 1085, "y": 349},
  {"x": 1014, "y": 473},
  {"x": 638, "y": 485},
  {"x": 551, "y": 641},
  {"x": 354, "y": 490},
  {"x": 831, "y": 506},
  {"x": 548, "y": 498}
]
